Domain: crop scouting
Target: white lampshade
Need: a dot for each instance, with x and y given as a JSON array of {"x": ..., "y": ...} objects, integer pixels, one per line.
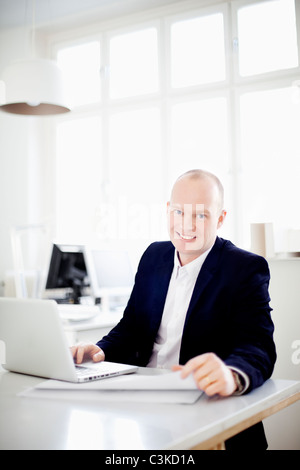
[{"x": 33, "y": 87}]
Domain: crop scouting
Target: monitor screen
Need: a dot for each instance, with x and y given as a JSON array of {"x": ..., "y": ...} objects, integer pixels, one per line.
[
  {"x": 110, "y": 273},
  {"x": 68, "y": 271}
]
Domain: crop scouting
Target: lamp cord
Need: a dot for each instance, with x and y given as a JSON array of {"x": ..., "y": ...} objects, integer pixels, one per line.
[{"x": 33, "y": 29}]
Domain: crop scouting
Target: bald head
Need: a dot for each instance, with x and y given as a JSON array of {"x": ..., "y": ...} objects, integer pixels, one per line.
[
  {"x": 201, "y": 175},
  {"x": 195, "y": 213}
]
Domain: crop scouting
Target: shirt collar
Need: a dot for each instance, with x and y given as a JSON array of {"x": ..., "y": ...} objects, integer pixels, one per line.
[{"x": 192, "y": 268}]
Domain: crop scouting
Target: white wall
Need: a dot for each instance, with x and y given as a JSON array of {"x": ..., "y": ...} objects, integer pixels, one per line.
[
  {"x": 26, "y": 166},
  {"x": 283, "y": 429}
]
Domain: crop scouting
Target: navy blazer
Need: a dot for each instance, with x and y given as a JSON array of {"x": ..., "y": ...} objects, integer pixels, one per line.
[{"x": 229, "y": 312}]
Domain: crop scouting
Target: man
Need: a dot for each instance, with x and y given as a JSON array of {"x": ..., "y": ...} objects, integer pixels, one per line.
[{"x": 199, "y": 303}]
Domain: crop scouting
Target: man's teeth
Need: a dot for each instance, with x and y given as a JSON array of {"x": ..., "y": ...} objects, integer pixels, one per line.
[{"x": 187, "y": 237}]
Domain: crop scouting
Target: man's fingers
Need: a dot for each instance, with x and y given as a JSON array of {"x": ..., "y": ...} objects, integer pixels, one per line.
[
  {"x": 73, "y": 350},
  {"x": 99, "y": 356},
  {"x": 206, "y": 374},
  {"x": 83, "y": 351},
  {"x": 210, "y": 374},
  {"x": 193, "y": 364},
  {"x": 177, "y": 367},
  {"x": 80, "y": 354}
]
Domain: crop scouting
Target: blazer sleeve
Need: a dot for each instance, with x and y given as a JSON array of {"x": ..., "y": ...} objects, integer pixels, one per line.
[
  {"x": 119, "y": 345},
  {"x": 253, "y": 349},
  {"x": 131, "y": 340}
]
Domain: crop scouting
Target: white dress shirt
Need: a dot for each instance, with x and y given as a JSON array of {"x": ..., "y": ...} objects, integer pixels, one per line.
[
  {"x": 168, "y": 339},
  {"x": 166, "y": 348}
]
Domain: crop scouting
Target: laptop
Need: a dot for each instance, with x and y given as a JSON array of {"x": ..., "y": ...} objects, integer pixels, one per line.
[{"x": 35, "y": 344}]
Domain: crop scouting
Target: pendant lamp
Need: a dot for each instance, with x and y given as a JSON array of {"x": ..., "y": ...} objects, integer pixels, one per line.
[{"x": 33, "y": 86}]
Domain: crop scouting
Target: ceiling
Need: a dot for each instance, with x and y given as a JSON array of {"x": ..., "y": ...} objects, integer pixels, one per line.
[{"x": 18, "y": 13}]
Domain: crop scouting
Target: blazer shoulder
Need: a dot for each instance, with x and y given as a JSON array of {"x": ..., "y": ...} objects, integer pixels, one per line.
[
  {"x": 240, "y": 256},
  {"x": 158, "y": 252}
]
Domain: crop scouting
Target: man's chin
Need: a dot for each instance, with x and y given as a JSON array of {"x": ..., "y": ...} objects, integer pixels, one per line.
[{"x": 189, "y": 247}]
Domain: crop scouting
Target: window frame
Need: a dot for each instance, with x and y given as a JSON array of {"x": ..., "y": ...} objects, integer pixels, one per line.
[
  {"x": 222, "y": 8},
  {"x": 265, "y": 76},
  {"x": 232, "y": 88}
]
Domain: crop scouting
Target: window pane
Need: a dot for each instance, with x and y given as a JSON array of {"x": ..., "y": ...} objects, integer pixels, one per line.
[
  {"x": 78, "y": 177},
  {"x": 81, "y": 69},
  {"x": 271, "y": 160},
  {"x": 199, "y": 136},
  {"x": 133, "y": 64},
  {"x": 135, "y": 175},
  {"x": 267, "y": 37},
  {"x": 197, "y": 51},
  {"x": 199, "y": 139}
]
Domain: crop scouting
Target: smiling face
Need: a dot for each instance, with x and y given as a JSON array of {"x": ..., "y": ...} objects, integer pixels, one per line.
[{"x": 194, "y": 215}]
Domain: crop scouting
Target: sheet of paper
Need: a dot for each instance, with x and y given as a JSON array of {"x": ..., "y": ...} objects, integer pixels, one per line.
[
  {"x": 115, "y": 396},
  {"x": 137, "y": 388},
  {"x": 168, "y": 381}
]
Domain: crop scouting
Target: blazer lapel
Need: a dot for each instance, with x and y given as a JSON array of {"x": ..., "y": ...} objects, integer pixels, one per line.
[
  {"x": 163, "y": 275},
  {"x": 206, "y": 274}
]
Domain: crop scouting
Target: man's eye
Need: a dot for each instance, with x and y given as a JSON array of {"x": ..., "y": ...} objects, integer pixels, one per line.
[
  {"x": 200, "y": 216},
  {"x": 177, "y": 212}
]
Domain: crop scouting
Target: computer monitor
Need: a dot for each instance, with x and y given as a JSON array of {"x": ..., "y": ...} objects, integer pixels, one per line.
[
  {"x": 67, "y": 271},
  {"x": 111, "y": 276}
]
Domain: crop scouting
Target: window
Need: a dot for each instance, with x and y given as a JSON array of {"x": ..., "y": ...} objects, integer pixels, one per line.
[
  {"x": 208, "y": 87},
  {"x": 197, "y": 51},
  {"x": 135, "y": 174},
  {"x": 195, "y": 125},
  {"x": 134, "y": 63},
  {"x": 267, "y": 37},
  {"x": 81, "y": 68},
  {"x": 270, "y": 151},
  {"x": 78, "y": 177}
]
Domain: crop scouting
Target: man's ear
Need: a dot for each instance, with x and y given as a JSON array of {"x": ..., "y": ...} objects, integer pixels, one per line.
[{"x": 221, "y": 219}]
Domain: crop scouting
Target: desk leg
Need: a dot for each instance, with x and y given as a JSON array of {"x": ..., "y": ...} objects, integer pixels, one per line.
[{"x": 220, "y": 446}]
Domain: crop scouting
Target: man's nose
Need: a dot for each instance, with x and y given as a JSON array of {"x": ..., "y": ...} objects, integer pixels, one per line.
[{"x": 189, "y": 223}]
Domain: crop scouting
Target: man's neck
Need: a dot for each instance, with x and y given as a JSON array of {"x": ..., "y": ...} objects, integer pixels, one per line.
[{"x": 185, "y": 259}]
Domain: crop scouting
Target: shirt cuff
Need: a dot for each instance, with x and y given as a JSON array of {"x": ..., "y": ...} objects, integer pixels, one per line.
[{"x": 245, "y": 379}]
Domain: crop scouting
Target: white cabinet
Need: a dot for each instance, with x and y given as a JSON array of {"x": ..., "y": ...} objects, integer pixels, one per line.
[{"x": 283, "y": 429}]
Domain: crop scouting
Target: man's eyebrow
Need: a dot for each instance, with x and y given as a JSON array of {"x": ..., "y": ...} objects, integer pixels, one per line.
[
  {"x": 202, "y": 209},
  {"x": 199, "y": 207}
]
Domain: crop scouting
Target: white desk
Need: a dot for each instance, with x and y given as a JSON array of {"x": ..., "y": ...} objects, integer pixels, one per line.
[
  {"x": 28, "y": 423},
  {"x": 92, "y": 329}
]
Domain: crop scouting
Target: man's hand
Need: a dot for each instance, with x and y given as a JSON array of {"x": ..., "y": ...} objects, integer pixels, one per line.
[
  {"x": 87, "y": 351},
  {"x": 210, "y": 374}
]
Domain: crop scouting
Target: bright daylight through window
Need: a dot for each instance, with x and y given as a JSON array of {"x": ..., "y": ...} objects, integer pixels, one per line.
[{"x": 206, "y": 88}]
